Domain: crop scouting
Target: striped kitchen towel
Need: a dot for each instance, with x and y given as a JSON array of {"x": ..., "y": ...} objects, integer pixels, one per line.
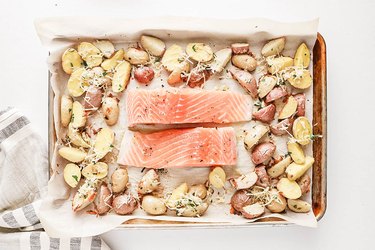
[{"x": 23, "y": 182}]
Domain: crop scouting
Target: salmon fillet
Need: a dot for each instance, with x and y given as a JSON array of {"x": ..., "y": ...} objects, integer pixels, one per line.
[
  {"x": 186, "y": 106},
  {"x": 196, "y": 147}
]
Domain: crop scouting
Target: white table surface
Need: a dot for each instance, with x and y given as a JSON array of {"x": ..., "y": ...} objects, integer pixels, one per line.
[{"x": 349, "y": 30}]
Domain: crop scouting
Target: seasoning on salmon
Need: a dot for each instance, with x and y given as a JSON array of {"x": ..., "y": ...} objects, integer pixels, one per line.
[
  {"x": 196, "y": 147},
  {"x": 186, "y": 106}
]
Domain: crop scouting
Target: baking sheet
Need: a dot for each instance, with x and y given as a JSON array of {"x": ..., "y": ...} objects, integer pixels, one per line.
[{"x": 57, "y": 34}]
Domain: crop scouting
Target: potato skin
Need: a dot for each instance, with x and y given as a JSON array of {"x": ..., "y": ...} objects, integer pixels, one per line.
[
  {"x": 198, "y": 190},
  {"x": 304, "y": 182},
  {"x": 265, "y": 114},
  {"x": 110, "y": 110},
  {"x": 298, "y": 206},
  {"x": 245, "y": 62},
  {"x": 276, "y": 93},
  {"x": 104, "y": 199},
  {"x": 282, "y": 127},
  {"x": 144, "y": 75},
  {"x": 263, "y": 178},
  {"x": 124, "y": 204},
  {"x": 136, "y": 56},
  {"x": 262, "y": 152},
  {"x": 119, "y": 180},
  {"x": 246, "y": 80},
  {"x": 153, "y": 205},
  {"x": 301, "y": 100},
  {"x": 240, "y": 48},
  {"x": 66, "y": 110},
  {"x": 256, "y": 210},
  {"x": 93, "y": 98},
  {"x": 197, "y": 78},
  {"x": 240, "y": 199},
  {"x": 276, "y": 207}
]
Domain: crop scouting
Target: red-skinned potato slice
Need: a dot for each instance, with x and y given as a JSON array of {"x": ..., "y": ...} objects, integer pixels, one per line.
[
  {"x": 263, "y": 178},
  {"x": 240, "y": 48},
  {"x": 247, "y": 81},
  {"x": 144, "y": 74},
  {"x": 301, "y": 100},
  {"x": 276, "y": 93},
  {"x": 265, "y": 114},
  {"x": 282, "y": 127},
  {"x": 262, "y": 152}
]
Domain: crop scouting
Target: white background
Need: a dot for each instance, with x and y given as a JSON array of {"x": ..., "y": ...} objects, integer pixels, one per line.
[{"x": 349, "y": 30}]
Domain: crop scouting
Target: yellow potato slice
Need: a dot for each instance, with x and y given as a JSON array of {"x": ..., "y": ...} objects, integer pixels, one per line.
[
  {"x": 289, "y": 108},
  {"x": 273, "y": 47},
  {"x": 76, "y": 86},
  {"x": 289, "y": 189},
  {"x": 302, "y": 56},
  {"x": 294, "y": 170},
  {"x": 71, "y": 61},
  {"x": 153, "y": 45},
  {"x": 66, "y": 108},
  {"x": 98, "y": 170},
  {"x": 277, "y": 64},
  {"x": 217, "y": 177},
  {"x": 199, "y": 52},
  {"x": 78, "y": 116},
  {"x": 106, "y": 47},
  {"x": 121, "y": 76},
  {"x": 104, "y": 142},
  {"x": 302, "y": 130},
  {"x": 279, "y": 168},
  {"x": 296, "y": 152},
  {"x": 177, "y": 194},
  {"x": 173, "y": 58},
  {"x": 299, "y": 206},
  {"x": 300, "y": 79},
  {"x": 76, "y": 138},
  {"x": 91, "y": 54},
  {"x": 111, "y": 63},
  {"x": 72, "y": 154},
  {"x": 221, "y": 59},
  {"x": 266, "y": 84},
  {"x": 72, "y": 174},
  {"x": 253, "y": 135},
  {"x": 136, "y": 56}
]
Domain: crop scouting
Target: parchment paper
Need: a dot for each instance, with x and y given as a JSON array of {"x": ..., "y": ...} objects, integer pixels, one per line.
[{"x": 57, "y": 34}]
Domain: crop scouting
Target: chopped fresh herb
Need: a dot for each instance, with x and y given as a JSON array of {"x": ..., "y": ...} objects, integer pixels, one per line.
[
  {"x": 313, "y": 137},
  {"x": 105, "y": 73},
  {"x": 75, "y": 177},
  {"x": 72, "y": 119},
  {"x": 194, "y": 49},
  {"x": 84, "y": 64},
  {"x": 71, "y": 65},
  {"x": 70, "y": 110}
]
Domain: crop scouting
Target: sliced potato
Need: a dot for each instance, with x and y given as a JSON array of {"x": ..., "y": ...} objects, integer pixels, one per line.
[
  {"x": 245, "y": 62},
  {"x": 294, "y": 170},
  {"x": 273, "y": 47},
  {"x": 72, "y": 174},
  {"x": 289, "y": 108},
  {"x": 72, "y": 154},
  {"x": 240, "y": 48},
  {"x": 244, "y": 181},
  {"x": 136, "y": 56},
  {"x": 153, "y": 45},
  {"x": 296, "y": 152},
  {"x": 195, "y": 211},
  {"x": 121, "y": 77},
  {"x": 277, "y": 64},
  {"x": 111, "y": 63},
  {"x": 119, "y": 178},
  {"x": 71, "y": 61},
  {"x": 76, "y": 85},
  {"x": 198, "y": 190},
  {"x": 104, "y": 142},
  {"x": 106, "y": 47},
  {"x": 199, "y": 52},
  {"x": 301, "y": 80},
  {"x": 299, "y": 206},
  {"x": 149, "y": 183},
  {"x": 302, "y": 130},
  {"x": 278, "y": 205},
  {"x": 78, "y": 116},
  {"x": 177, "y": 194},
  {"x": 98, "y": 170},
  {"x": 91, "y": 54},
  {"x": 253, "y": 211},
  {"x": 173, "y": 58},
  {"x": 66, "y": 108},
  {"x": 111, "y": 110},
  {"x": 265, "y": 114},
  {"x": 221, "y": 59},
  {"x": 153, "y": 205},
  {"x": 266, "y": 84},
  {"x": 217, "y": 177},
  {"x": 279, "y": 168},
  {"x": 85, "y": 194},
  {"x": 76, "y": 138},
  {"x": 253, "y": 135},
  {"x": 246, "y": 80},
  {"x": 262, "y": 152},
  {"x": 302, "y": 56},
  {"x": 289, "y": 189}
]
